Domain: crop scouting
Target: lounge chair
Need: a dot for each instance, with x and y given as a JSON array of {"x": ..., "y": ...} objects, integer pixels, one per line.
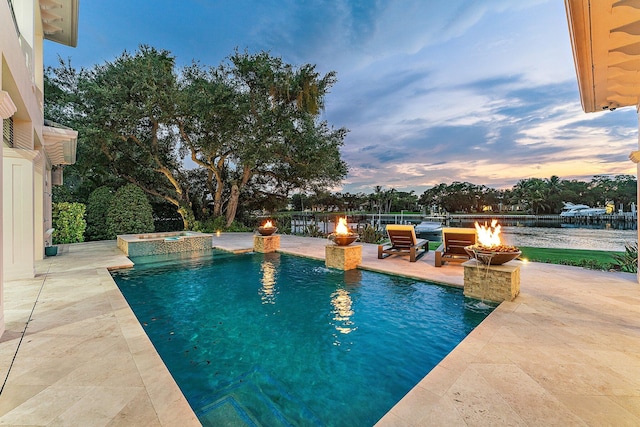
[
  {"x": 403, "y": 242},
  {"x": 453, "y": 242}
]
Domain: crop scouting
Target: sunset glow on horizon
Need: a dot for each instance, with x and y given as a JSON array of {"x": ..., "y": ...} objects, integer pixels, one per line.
[{"x": 431, "y": 92}]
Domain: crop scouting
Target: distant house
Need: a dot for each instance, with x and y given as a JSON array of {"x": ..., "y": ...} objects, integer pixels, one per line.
[{"x": 33, "y": 152}]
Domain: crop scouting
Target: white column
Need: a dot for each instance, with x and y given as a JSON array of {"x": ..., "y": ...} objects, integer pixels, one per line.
[
  {"x": 7, "y": 109},
  {"x": 18, "y": 213},
  {"x": 39, "y": 165}
]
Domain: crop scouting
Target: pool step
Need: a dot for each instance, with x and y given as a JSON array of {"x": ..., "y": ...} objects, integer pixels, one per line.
[{"x": 254, "y": 399}]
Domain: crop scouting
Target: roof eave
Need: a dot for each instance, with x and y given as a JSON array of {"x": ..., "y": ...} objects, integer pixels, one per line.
[
  {"x": 60, "y": 21},
  {"x": 578, "y": 18},
  {"x": 605, "y": 39},
  {"x": 60, "y": 145}
]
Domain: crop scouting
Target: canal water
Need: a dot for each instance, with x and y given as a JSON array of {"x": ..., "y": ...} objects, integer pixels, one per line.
[
  {"x": 603, "y": 236},
  {"x": 605, "y": 239}
]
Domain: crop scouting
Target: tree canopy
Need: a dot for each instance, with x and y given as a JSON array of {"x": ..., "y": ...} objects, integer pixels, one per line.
[
  {"x": 257, "y": 129},
  {"x": 532, "y": 195},
  {"x": 200, "y": 137}
]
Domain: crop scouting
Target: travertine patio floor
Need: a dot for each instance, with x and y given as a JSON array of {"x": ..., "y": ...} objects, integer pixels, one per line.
[{"x": 565, "y": 352}]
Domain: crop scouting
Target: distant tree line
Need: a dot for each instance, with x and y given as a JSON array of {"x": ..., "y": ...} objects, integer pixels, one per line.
[
  {"x": 533, "y": 195},
  {"x": 380, "y": 201}
]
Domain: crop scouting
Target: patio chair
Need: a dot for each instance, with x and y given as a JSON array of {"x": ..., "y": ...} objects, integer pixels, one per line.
[
  {"x": 403, "y": 242},
  {"x": 453, "y": 242}
]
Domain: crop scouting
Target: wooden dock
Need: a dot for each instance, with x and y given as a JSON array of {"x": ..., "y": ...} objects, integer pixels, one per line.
[{"x": 626, "y": 219}]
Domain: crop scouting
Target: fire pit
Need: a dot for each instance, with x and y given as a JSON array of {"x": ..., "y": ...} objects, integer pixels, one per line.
[
  {"x": 489, "y": 250},
  {"x": 492, "y": 256},
  {"x": 267, "y": 229},
  {"x": 343, "y": 236}
]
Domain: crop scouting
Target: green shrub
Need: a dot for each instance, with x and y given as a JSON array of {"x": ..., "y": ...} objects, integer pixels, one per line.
[
  {"x": 627, "y": 261},
  {"x": 237, "y": 226},
  {"x": 312, "y": 230},
  {"x": 212, "y": 225},
  {"x": 129, "y": 212},
  {"x": 283, "y": 222},
  {"x": 68, "y": 222},
  {"x": 370, "y": 235},
  {"x": 62, "y": 193},
  {"x": 97, "y": 208}
]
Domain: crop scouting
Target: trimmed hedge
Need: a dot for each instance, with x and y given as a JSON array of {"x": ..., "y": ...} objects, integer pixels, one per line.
[
  {"x": 68, "y": 222},
  {"x": 130, "y": 212},
  {"x": 97, "y": 208}
]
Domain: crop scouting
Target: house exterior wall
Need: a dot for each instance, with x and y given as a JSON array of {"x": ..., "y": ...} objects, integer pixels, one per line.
[
  {"x": 18, "y": 213},
  {"x": 2, "y": 323},
  {"x": 38, "y": 206},
  {"x": 25, "y": 170},
  {"x": 18, "y": 162}
]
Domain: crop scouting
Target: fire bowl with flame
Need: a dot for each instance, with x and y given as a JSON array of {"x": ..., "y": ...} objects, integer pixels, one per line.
[
  {"x": 490, "y": 250},
  {"x": 343, "y": 236},
  {"x": 267, "y": 229},
  {"x": 494, "y": 255}
]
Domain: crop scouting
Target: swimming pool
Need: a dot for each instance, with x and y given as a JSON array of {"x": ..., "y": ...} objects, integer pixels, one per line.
[{"x": 274, "y": 339}]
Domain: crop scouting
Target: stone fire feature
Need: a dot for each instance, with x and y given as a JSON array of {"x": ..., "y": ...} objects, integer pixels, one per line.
[
  {"x": 343, "y": 257},
  {"x": 266, "y": 244},
  {"x": 495, "y": 283}
]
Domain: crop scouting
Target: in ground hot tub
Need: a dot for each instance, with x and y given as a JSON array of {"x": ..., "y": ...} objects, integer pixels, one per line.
[{"x": 164, "y": 243}]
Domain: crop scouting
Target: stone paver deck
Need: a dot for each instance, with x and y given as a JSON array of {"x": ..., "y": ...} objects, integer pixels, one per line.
[{"x": 565, "y": 352}]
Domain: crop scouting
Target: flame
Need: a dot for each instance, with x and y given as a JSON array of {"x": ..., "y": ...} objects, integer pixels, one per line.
[
  {"x": 489, "y": 236},
  {"x": 268, "y": 224},
  {"x": 342, "y": 228}
]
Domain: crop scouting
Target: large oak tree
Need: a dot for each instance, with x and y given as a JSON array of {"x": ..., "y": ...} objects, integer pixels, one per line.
[
  {"x": 253, "y": 123},
  {"x": 251, "y": 126}
]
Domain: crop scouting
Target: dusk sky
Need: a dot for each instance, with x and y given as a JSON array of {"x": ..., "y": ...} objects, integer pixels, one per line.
[{"x": 433, "y": 91}]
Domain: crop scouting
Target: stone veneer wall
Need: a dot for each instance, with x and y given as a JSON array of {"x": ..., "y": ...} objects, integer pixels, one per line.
[
  {"x": 266, "y": 244},
  {"x": 491, "y": 283},
  {"x": 343, "y": 257},
  {"x": 150, "y": 245}
]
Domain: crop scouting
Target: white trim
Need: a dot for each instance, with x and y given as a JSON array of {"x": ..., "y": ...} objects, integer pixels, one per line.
[
  {"x": 7, "y": 107},
  {"x": 60, "y": 145}
]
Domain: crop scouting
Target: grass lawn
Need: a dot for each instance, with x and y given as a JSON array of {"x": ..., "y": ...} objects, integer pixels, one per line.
[
  {"x": 599, "y": 260},
  {"x": 434, "y": 245}
]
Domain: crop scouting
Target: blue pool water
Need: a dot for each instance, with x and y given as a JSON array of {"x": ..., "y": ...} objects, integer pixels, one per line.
[{"x": 272, "y": 339}]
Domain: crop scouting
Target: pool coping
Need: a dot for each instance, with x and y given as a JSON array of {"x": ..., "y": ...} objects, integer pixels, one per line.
[{"x": 516, "y": 367}]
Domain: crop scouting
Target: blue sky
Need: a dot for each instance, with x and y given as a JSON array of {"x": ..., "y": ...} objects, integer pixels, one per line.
[{"x": 432, "y": 91}]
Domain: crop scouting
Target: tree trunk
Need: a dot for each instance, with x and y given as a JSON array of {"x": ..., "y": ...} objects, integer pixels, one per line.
[
  {"x": 188, "y": 218},
  {"x": 232, "y": 206},
  {"x": 218, "y": 173},
  {"x": 217, "y": 197}
]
